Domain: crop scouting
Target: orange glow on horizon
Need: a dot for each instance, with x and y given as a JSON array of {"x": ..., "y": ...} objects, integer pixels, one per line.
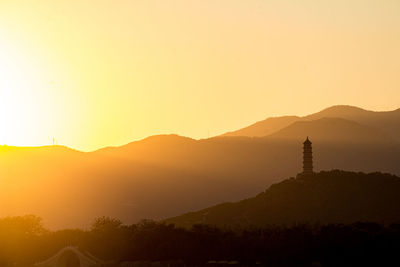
[{"x": 96, "y": 73}]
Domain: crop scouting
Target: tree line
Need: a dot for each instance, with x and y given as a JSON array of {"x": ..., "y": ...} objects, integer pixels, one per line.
[{"x": 24, "y": 241}]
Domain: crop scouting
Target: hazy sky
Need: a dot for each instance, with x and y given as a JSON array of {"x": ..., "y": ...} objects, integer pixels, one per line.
[{"x": 97, "y": 73}]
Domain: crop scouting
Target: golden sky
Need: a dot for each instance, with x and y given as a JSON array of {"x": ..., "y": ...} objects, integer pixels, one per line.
[{"x": 93, "y": 73}]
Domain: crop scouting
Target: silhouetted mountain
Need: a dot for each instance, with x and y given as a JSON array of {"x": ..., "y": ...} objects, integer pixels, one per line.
[
  {"x": 333, "y": 130},
  {"x": 386, "y": 121},
  {"x": 155, "y": 178},
  {"x": 326, "y": 197},
  {"x": 265, "y": 127},
  {"x": 167, "y": 175}
]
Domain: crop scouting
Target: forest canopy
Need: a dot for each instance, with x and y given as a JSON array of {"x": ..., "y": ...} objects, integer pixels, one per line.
[{"x": 24, "y": 241}]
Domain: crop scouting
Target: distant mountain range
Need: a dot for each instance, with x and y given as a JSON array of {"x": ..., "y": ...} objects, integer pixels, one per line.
[
  {"x": 334, "y": 130},
  {"x": 167, "y": 175},
  {"x": 325, "y": 197},
  {"x": 387, "y": 121}
]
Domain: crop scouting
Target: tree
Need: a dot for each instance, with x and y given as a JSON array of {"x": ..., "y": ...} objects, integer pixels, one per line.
[{"x": 105, "y": 224}]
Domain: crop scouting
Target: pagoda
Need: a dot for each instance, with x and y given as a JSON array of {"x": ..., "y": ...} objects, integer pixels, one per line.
[{"x": 307, "y": 157}]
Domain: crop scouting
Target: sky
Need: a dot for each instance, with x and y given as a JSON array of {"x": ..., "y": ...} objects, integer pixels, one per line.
[{"x": 95, "y": 73}]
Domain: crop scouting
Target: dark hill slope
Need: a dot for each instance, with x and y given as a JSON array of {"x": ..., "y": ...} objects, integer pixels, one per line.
[{"x": 326, "y": 197}]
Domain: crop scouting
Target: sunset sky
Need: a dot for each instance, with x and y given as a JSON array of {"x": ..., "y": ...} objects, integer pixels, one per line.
[{"x": 94, "y": 73}]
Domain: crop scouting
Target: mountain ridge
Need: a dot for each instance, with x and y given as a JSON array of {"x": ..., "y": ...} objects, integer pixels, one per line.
[
  {"x": 387, "y": 121},
  {"x": 330, "y": 129},
  {"x": 167, "y": 175}
]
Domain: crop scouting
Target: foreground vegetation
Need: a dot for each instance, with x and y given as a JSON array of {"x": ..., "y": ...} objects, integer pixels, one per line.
[{"x": 24, "y": 241}]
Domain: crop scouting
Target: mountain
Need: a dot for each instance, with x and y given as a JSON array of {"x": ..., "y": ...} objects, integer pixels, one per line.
[
  {"x": 334, "y": 130},
  {"x": 167, "y": 175},
  {"x": 265, "y": 127},
  {"x": 386, "y": 121},
  {"x": 326, "y": 197},
  {"x": 155, "y": 178}
]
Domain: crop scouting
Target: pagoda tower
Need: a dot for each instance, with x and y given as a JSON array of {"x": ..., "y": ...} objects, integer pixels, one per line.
[{"x": 307, "y": 157}]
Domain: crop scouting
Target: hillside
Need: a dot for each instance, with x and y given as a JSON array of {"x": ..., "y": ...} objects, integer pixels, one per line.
[
  {"x": 333, "y": 130},
  {"x": 326, "y": 197},
  {"x": 153, "y": 178},
  {"x": 386, "y": 121},
  {"x": 167, "y": 175},
  {"x": 264, "y": 127}
]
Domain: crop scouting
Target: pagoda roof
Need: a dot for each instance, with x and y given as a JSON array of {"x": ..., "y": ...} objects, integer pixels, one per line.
[{"x": 307, "y": 141}]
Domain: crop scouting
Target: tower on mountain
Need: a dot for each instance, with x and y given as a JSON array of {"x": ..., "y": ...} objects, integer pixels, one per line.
[{"x": 307, "y": 157}]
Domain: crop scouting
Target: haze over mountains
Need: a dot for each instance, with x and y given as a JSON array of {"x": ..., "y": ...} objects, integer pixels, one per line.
[
  {"x": 386, "y": 121},
  {"x": 168, "y": 175}
]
